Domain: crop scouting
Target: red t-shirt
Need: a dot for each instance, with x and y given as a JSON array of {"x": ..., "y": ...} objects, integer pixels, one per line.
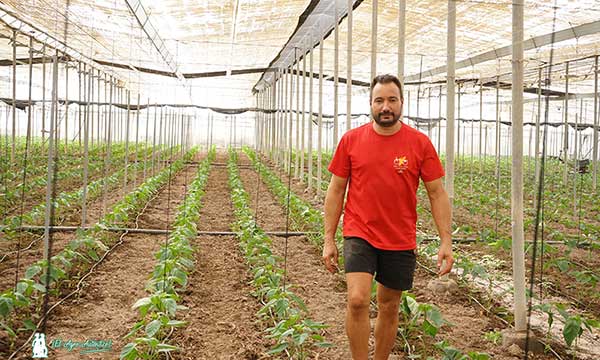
[{"x": 384, "y": 174}]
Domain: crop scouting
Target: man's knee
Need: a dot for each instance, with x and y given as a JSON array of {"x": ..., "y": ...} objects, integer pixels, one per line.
[
  {"x": 388, "y": 307},
  {"x": 358, "y": 303}
]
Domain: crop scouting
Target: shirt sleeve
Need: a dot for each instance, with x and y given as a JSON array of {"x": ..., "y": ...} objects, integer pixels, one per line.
[
  {"x": 431, "y": 168},
  {"x": 340, "y": 163}
]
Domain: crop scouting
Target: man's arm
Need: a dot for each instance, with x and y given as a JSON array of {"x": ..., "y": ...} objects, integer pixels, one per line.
[
  {"x": 334, "y": 201},
  {"x": 441, "y": 211}
]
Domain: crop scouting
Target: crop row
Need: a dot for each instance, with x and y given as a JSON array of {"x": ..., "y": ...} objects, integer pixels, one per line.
[
  {"x": 157, "y": 311},
  {"x": 87, "y": 248}
]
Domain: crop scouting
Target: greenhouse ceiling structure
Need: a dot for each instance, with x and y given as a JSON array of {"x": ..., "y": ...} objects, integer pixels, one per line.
[{"x": 144, "y": 143}]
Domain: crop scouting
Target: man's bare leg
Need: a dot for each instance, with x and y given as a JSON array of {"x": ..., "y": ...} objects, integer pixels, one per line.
[
  {"x": 358, "y": 326},
  {"x": 386, "y": 327}
]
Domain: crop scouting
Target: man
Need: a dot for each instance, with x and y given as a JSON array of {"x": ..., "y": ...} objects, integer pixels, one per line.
[{"x": 383, "y": 161}]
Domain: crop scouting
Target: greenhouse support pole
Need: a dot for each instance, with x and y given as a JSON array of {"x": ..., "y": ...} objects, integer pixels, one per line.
[
  {"x": 401, "y": 40},
  {"x": 79, "y": 107},
  {"x": 160, "y": 130},
  {"x": 66, "y": 104},
  {"x": 537, "y": 136},
  {"x": 458, "y": 127},
  {"x": 596, "y": 129},
  {"x": 274, "y": 115},
  {"x": 336, "y": 69},
  {"x": 50, "y": 173},
  {"x": 128, "y": 118},
  {"x": 43, "y": 97},
  {"x": 348, "y": 68},
  {"x": 373, "y": 40},
  {"x": 290, "y": 143},
  {"x": 105, "y": 106},
  {"x": 297, "y": 147},
  {"x": 518, "y": 243},
  {"x": 320, "y": 124},
  {"x": 439, "y": 139},
  {"x": 14, "y": 98},
  {"x": 310, "y": 123},
  {"x": 288, "y": 119},
  {"x": 154, "y": 139},
  {"x": 565, "y": 154},
  {"x": 303, "y": 132},
  {"x": 107, "y": 159},
  {"x": 481, "y": 153},
  {"x": 576, "y": 159},
  {"x": 497, "y": 128},
  {"x": 429, "y": 121},
  {"x": 146, "y": 139},
  {"x": 137, "y": 140},
  {"x": 29, "y": 102},
  {"x": 87, "y": 89},
  {"x": 450, "y": 101}
]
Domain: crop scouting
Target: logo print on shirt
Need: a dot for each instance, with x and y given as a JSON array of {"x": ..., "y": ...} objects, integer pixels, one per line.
[{"x": 400, "y": 164}]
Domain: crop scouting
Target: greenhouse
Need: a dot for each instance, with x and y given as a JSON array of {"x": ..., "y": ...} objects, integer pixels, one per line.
[{"x": 172, "y": 174}]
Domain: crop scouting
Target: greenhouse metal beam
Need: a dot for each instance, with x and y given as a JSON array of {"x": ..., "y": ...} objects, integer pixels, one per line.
[
  {"x": 533, "y": 43},
  {"x": 518, "y": 244}
]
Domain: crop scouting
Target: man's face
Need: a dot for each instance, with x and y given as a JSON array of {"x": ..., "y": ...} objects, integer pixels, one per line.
[{"x": 386, "y": 105}]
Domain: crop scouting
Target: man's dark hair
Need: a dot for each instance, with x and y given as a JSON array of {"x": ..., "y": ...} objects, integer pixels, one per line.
[{"x": 385, "y": 79}]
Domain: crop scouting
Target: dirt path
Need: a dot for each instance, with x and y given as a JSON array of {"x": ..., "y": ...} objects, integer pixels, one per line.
[
  {"x": 103, "y": 310},
  {"x": 222, "y": 313},
  {"x": 324, "y": 294}
]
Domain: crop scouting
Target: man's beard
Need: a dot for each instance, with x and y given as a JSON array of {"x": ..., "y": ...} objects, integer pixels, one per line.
[{"x": 386, "y": 122}]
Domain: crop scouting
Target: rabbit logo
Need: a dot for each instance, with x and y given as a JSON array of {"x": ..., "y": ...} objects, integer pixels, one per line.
[{"x": 39, "y": 346}]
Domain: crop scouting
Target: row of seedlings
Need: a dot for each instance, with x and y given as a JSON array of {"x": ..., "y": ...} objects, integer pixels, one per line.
[
  {"x": 157, "y": 312},
  {"x": 89, "y": 247},
  {"x": 14, "y": 192},
  {"x": 418, "y": 319},
  {"x": 64, "y": 201},
  {"x": 293, "y": 332}
]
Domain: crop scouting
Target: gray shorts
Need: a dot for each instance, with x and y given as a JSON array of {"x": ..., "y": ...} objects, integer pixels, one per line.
[{"x": 394, "y": 269}]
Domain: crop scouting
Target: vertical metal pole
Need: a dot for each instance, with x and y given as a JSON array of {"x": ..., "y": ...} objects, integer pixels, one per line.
[
  {"x": 320, "y": 125},
  {"x": 14, "y": 99},
  {"x": 310, "y": 124},
  {"x": 566, "y": 132},
  {"x": 481, "y": 152},
  {"x": 127, "y": 139},
  {"x": 107, "y": 159},
  {"x": 439, "y": 139},
  {"x": 303, "y": 117},
  {"x": 137, "y": 140},
  {"x": 154, "y": 139},
  {"x": 401, "y": 39},
  {"x": 458, "y": 126},
  {"x": 596, "y": 129},
  {"x": 336, "y": 68},
  {"x": 374, "y": 40},
  {"x": 43, "y": 96},
  {"x": 88, "y": 87},
  {"x": 66, "y": 104},
  {"x": 498, "y": 127},
  {"x": 297, "y": 147},
  {"x": 518, "y": 244},
  {"x": 29, "y": 103},
  {"x": 50, "y": 178},
  {"x": 537, "y": 136},
  {"x": 348, "y": 68},
  {"x": 146, "y": 138},
  {"x": 450, "y": 100}
]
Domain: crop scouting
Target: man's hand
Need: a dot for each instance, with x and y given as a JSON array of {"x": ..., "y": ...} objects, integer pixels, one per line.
[
  {"x": 330, "y": 256},
  {"x": 445, "y": 253}
]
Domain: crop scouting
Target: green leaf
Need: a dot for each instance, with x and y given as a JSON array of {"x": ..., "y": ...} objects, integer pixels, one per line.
[
  {"x": 141, "y": 302},
  {"x": 129, "y": 352},
  {"x": 29, "y": 325},
  {"x": 277, "y": 349},
  {"x": 32, "y": 271},
  {"x": 572, "y": 330},
  {"x": 152, "y": 328}
]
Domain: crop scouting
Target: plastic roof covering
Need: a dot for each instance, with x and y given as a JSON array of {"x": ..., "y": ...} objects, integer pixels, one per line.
[{"x": 221, "y": 35}]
